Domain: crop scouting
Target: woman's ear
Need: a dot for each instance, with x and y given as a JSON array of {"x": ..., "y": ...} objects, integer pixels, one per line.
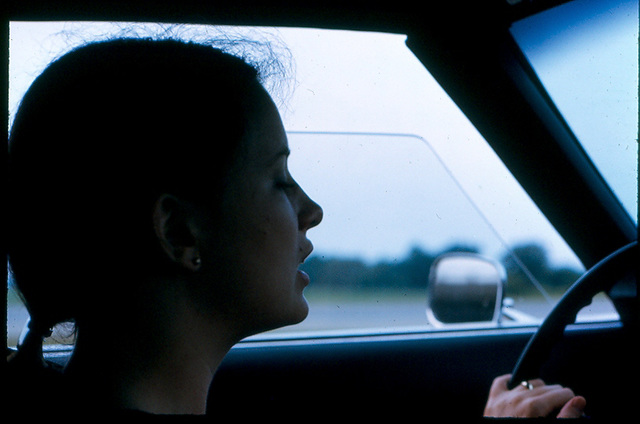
[{"x": 173, "y": 222}]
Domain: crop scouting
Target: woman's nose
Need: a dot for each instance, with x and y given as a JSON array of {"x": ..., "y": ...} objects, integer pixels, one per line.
[{"x": 310, "y": 213}]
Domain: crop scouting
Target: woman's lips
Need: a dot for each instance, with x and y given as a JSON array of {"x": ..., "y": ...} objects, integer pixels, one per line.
[{"x": 304, "y": 277}]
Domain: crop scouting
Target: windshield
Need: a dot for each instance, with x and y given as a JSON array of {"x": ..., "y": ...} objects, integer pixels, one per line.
[{"x": 585, "y": 52}]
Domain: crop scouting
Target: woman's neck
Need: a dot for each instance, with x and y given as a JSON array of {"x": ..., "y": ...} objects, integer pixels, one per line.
[{"x": 163, "y": 371}]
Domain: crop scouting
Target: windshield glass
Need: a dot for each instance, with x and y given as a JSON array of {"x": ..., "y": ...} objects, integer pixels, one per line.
[{"x": 585, "y": 52}]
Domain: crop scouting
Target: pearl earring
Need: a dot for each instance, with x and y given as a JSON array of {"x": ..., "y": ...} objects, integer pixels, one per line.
[{"x": 197, "y": 261}]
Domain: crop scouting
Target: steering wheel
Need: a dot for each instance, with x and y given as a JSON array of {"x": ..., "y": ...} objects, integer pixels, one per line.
[{"x": 601, "y": 277}]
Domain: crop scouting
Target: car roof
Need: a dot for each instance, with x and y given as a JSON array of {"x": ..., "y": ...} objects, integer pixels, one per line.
[{"x": 468, "y": 49}]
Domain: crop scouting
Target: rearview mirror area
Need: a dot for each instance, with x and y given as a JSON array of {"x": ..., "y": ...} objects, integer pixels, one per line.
[{"x": 465, "y": 288}]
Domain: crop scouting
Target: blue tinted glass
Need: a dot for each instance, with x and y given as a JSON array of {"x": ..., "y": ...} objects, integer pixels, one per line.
[{"x": 585, "y": 52}]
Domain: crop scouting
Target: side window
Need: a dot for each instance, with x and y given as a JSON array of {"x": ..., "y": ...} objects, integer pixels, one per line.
[{"x": 401, "y": 174}]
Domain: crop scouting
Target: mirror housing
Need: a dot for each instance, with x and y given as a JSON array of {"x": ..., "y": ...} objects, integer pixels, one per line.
[{"x": 465, "y": 288}]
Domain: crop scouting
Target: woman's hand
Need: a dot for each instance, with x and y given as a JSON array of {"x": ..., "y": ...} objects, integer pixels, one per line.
[{"x": 537, "y": 400}]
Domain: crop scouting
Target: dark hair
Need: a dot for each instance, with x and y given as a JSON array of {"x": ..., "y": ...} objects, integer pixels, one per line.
[{"x": 99, "y": 135}]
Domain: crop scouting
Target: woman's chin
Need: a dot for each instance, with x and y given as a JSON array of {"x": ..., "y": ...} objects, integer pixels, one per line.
[{"x": 298, "y": 313}]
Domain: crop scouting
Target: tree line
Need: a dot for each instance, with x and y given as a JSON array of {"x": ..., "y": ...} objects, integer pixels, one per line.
[{"x": 412, "y": 271}]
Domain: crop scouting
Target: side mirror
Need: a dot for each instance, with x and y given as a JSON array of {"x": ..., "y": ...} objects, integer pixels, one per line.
[{"x": 464, "y": 288}]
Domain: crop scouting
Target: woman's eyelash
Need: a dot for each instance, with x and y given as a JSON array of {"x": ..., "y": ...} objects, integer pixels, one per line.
[{"x": 286, "y": 185}]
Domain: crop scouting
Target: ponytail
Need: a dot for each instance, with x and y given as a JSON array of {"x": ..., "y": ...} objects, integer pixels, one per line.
[{"x": 29, "y": 352}]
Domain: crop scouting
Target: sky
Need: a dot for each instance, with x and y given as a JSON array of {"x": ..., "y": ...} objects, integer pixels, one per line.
[{"x": 370, "y": 84}]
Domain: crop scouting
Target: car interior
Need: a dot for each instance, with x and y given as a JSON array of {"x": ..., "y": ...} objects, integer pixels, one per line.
[{"x": 470, "y": 50}]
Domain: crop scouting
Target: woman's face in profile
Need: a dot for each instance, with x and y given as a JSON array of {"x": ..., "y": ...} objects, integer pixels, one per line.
[{"x": 263, "y": 235}]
